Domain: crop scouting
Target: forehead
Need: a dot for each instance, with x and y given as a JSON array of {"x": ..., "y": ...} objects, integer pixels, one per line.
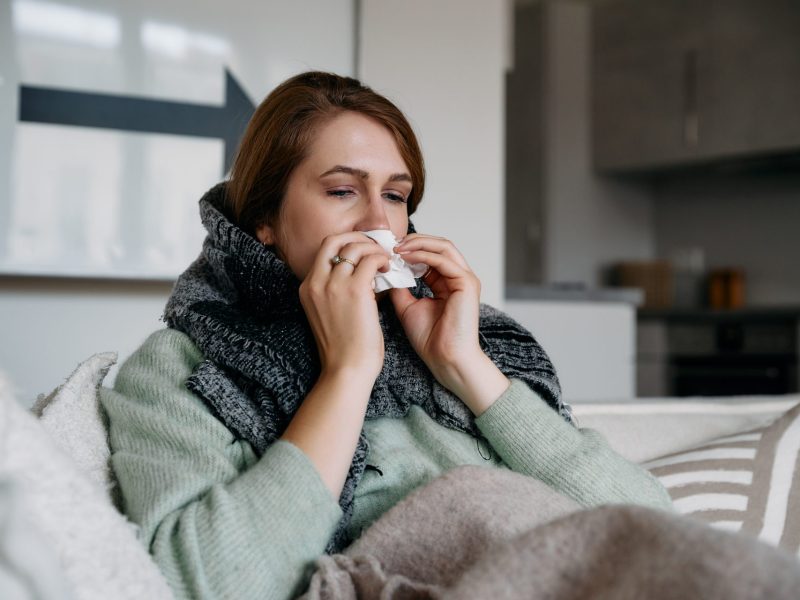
[{"x": 356, "y": 140}]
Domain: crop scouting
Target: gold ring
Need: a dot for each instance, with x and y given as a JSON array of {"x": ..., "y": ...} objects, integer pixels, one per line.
[{"x": 340, "y": 259}]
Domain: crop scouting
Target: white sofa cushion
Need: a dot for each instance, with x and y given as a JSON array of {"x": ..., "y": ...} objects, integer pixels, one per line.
[
  {"x": 644, "y": 429},
  {"x": 748, "y": 481},
  {"x": 97, "y": 547},
  {"x": 72, "y": 415},
  {"x": 29, "y": 569}
]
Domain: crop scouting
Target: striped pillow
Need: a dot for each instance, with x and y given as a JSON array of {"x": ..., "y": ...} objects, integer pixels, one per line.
[{"x": 748, "y": 482}]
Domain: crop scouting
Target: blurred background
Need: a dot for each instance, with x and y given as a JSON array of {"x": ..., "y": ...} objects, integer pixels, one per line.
[{"x": 623, "y": 175}]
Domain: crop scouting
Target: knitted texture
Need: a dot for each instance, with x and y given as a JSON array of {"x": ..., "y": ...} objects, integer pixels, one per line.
[
  {"x": 477, "y": 533},
  {"x": 240, "y": 304}
]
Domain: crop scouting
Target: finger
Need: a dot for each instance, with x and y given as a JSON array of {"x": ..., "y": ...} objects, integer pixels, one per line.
[
  {"x": 413, "y": 236},
  {"x": 432, "y": 244},
  {"x": 366, "y": 246},
  {"x": 431, "y": 276},
  {"x": 368, "y": 268},
  {"x": 330, "y": 247},
  {"x": 402, "y": 298},
  {"x": 443, "y": 264},
  {"x": 361, "y": 249},
  {"x": 340, "y": 266},
  {"x": 354, "y": 254}
]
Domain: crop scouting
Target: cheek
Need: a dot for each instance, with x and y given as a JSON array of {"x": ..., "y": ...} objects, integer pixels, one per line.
[
  {"x": 399, "y": 225},
  {"x": 301, "y": 257},
  {"x": 303, "y": 242}
]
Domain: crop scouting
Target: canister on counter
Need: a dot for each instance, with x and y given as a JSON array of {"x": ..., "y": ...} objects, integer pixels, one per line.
[{"x": 726, "y": 288}]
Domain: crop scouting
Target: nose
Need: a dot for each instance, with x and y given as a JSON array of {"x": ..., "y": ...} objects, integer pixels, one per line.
[{"x": 374, "y": 215}]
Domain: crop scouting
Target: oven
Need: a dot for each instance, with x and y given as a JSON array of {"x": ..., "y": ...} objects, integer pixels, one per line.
[{"x": 705, "y": 353}]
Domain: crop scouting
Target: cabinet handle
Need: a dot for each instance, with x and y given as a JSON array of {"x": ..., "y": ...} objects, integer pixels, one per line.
[{"x": 691, "y": 117}]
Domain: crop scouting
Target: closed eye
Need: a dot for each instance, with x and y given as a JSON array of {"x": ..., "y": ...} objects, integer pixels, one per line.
[
  {"x": 340, "y": 193},
  {"x": 394, "y": 197}
]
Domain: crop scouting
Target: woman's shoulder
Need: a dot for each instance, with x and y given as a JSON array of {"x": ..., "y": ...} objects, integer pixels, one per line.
[
  {"x": 164, "y": 360},
  {"x": 150, "y": 409},
  {"x": 165, "y": 347},
  {"x": 492, "y": 312},
  {"x": 492, "y": 317},
  {"x": 168, "y": 342}
]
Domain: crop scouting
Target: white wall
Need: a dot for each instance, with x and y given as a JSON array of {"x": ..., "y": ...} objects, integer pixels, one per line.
[
  {"x": 48, "y": 326},
  {"x": 110, "y": 202},
  {"x": 739, "y": 220},
  {"x": 443, "y": 64}
]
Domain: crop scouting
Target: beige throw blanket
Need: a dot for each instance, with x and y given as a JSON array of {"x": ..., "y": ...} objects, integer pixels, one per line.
[{"x": 482, "y": 533}]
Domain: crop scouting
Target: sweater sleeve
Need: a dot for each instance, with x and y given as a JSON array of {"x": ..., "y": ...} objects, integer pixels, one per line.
[
  {"x": 218, "y": 521},
  {"x": 533, "y": 439}
]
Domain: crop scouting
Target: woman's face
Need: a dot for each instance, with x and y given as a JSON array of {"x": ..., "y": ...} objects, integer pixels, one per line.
[{"x": 353, "y": 179}]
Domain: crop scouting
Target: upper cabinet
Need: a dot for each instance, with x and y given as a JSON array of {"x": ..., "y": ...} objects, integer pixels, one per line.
[
  {"x": 682, "y": 82},
  {"x": 751, "y": 85}
]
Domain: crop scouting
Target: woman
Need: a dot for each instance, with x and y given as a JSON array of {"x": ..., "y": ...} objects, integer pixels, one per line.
[{"x": 288, "y": 406}]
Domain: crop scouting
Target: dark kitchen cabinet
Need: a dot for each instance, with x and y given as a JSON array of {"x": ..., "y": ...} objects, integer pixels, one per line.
[
  {"x": 525, "y": 149},
  {"x": 718, "y": 353},
  {"x": 641, "y": 54},
  {"x": 751, "y": 87},
  {"x": 681, "y": 82}
]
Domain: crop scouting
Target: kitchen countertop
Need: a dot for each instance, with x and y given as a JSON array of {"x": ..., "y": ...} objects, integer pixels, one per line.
[
  {"x": 749, "y": 312},
  {"x": 574, "y": 293}
]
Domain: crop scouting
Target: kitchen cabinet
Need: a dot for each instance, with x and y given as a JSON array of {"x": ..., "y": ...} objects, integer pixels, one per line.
[
  {"x": 682, "y": 82},
  {"x": 751, "y": 84},
  {"x": 717, "y": 353},
  {"x": 525, "y": 149},
  {"x": 643, "y": 54},
  {"x": 591, "y": 344}
]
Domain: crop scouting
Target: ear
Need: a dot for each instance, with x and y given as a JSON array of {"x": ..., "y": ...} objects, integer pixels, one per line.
[{"x": 266, "y": 235}]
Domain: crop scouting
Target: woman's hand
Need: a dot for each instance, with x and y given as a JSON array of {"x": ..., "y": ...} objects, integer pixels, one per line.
[
  {"x": 443, "y": 330},
  {"x": 341, "y": 309},
  {"x": 339, "y": 302}
]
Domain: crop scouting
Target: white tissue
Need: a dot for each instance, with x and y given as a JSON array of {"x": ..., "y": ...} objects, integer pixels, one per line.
[{"x": 400, "y": 274}]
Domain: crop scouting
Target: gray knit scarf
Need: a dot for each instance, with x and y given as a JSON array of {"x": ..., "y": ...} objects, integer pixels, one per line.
[{"x": 239, "y": 303}]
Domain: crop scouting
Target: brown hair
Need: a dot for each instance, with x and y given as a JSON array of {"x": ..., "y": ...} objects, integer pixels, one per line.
[{"x": 279, "y": 134}]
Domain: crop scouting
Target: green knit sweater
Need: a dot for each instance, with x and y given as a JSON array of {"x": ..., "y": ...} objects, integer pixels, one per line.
[{"x": 222, "y": 523}]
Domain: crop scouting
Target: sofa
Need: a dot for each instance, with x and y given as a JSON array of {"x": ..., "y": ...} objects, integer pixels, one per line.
[{"x": 730, "y": 462}]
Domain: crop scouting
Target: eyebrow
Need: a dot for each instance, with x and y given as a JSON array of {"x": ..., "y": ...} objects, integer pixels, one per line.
[{"x": 363, "y": 174}]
